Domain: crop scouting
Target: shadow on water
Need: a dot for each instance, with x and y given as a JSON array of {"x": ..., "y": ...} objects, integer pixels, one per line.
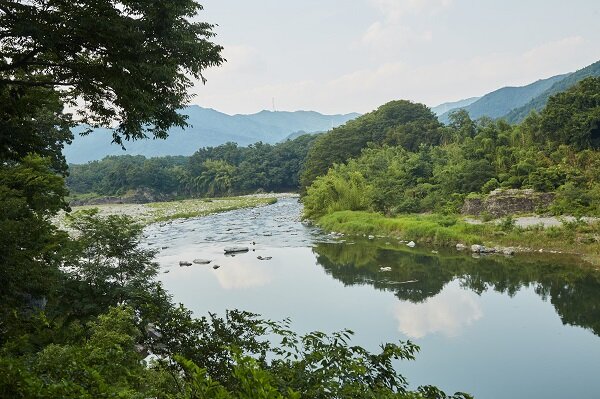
[{"x": 416, "y": 275}]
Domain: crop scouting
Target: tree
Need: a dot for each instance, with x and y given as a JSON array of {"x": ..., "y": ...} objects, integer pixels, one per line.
[
  {"x": 125, "y": 63},
  {"x": 216, "y": 178},
  {"x": 107, "y": 265},
  {"x": 129, "y": 62},
  {"x": 30, "y": 247},
  {"x": 573, "y": 117},
  {"x": 32, "y": 122},
  {"x": 396, "y": 122}
]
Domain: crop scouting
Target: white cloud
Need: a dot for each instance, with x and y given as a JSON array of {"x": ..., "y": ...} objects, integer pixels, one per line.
[
  {"x": 387, "y": 34},
  {"x": 366, "y": 88},
  {"x": 395, "y": 9},
  {"x": 394, "y": 28},
  {"x": 447, "y": 313}
]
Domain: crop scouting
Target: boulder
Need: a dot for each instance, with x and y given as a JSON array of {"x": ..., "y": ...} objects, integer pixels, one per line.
[
  {"x": 411, "y": 244},
  {"x": 184, "y": 263},
  {"x": 202, "y": 261},
  {"x": 477, "y": 248},
  {"x": 234, "y": 249},
  {"x": 461, "y": 247}
]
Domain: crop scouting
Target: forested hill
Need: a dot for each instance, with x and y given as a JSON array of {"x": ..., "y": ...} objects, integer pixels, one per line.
[
  {"x": 514, "y": 103},
  {"x": 207, "y": 128},
  {"x": 538, "y": 103},
  {"x": 500, "y": 102}
]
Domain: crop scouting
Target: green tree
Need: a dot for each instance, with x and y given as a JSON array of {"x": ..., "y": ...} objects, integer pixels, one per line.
[
  {"x": 106, "y": 265},
  {"x": 131, "y": 66},
  {"x": 30, "y": 245},
  {"x": 397, "y": 122},
  {"x": 216, "y": 178},
  {"x": 573, "y": 117}
]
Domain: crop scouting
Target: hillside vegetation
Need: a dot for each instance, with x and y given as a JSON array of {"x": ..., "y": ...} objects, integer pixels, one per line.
[
  {"x": 434, "y": 171},
  {"x": 500, "y": 102},
  {"x": 538, "y": 103},
  {"x": 514, "y": 104}
]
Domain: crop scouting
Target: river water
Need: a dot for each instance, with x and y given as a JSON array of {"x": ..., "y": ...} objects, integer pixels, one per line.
[{"x": 495, "y": 327}]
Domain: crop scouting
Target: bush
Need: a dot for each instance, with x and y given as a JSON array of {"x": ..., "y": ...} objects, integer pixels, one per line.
[{"x": 337, "y": 191}]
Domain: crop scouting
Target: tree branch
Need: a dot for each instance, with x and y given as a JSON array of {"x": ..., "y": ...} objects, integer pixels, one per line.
[
  {"x": 32, "y": 83},
  {"x": 23, "y": 61}
]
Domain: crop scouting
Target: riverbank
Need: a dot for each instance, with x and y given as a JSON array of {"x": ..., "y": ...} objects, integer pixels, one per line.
[
  {"x": 576, "y": 237},
  {"x": 154, "y": 212}
]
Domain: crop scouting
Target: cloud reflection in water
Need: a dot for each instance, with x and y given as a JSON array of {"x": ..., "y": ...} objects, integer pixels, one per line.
[
  {"x": 234, "y": 275},
  {"x": 447, "y": 313}
]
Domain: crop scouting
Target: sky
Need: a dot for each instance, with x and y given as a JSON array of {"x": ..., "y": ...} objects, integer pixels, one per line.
[{"x": 335, "y": 56}]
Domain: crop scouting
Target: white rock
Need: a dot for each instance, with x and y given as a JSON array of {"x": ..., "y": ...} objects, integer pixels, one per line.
[
  {"x": 461, "y": 247},
  {"x": 477, "y": 248},
  {"x": 411, "y": 244}
]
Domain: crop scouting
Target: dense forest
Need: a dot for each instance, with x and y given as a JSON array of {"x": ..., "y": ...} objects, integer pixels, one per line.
[
  {"x": 222, "y": 170},
  {"x": 399, "y": 159}
]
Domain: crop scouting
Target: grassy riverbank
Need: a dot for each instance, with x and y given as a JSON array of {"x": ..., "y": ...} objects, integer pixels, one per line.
[
  {"x": 163, "y": 211},
  {"x": 575, "y": 237}
]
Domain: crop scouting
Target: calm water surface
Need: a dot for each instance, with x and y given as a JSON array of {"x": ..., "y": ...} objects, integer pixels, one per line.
[{"x": 521, "y": 327}]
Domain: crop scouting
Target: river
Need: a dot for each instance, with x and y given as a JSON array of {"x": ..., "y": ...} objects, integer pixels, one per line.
[{"x": 496, "y": 327}]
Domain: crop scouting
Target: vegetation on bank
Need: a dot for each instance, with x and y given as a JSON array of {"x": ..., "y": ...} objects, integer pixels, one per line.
[
  {"x": 576, "y": 237},
  {"x": 398, "y": 173},
  {"x": 213, "y": 171}
]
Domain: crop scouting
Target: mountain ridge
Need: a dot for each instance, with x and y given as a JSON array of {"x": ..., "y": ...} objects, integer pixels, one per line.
[
  {"x": 501, "y": 101},
  {"x": 208, "y": 127},
  {"x": 516, "y": 115}
]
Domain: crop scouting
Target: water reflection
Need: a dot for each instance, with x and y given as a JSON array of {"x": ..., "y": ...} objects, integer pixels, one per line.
[
  {"x": 487, "y": 326},
  {"x": 238, "y": 275},
  {"x": 573, "y": 290},
  {"x": 447, "y": 313}
]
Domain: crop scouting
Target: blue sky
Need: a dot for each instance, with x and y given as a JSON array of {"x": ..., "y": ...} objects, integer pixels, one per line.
[{"x": 337, "y": 56}]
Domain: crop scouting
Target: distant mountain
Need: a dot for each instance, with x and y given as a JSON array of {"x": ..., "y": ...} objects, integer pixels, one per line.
[
  {"x": 208, "y": 128},
  {"x": 518, "y": 114},
  {"x": 446, "y": 107},
  {"x": 499, "y": 102}
]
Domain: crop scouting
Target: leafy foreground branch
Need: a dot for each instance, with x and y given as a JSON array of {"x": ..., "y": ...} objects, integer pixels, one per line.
[{"x": 106, "y": 312}]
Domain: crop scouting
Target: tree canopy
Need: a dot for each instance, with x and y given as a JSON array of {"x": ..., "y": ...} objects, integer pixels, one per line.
[
  {"x": 397, "y": 122},
  {"x": 126, "y": 63},
  {"x": 424, "y": 170}
]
